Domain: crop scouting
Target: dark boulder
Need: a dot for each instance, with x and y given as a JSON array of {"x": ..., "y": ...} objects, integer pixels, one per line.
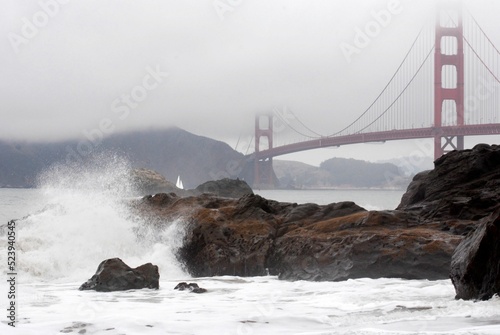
[
  {"x": 475, "y": 266},
  {"x": 227, "y": 188},
  {"x": 463, "y": 185},
  {"x": 114, "y": 275},
  {"x": 192, "y": 287}
]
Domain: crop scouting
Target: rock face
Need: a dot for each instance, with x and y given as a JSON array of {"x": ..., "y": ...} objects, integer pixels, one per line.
[
  {"x": 114, "y": 275},
  {"x": 254, "y": 236},
  {"x": 371, "y": 244},
  {"x": 475, "y": 266},
  {"x": 463, "y": 185}
]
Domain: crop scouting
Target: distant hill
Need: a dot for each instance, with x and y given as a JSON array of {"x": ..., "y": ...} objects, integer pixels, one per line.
[
  {"x": 340, "y": 173},
  {"x": 171, "y": 152},
  {"x": 175, "y": 152},
  {"x": 412, "y": 164}
]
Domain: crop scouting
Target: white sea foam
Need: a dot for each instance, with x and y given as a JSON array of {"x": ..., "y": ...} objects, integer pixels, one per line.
[
  {"x": 86, "y": 220},
  {"x": 258, "y": 305}
]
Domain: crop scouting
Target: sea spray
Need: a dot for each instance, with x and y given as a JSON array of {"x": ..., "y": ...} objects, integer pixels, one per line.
[{"x": 86, "y": 219}]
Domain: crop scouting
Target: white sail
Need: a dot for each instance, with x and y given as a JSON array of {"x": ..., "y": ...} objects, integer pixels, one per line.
[{"x": 179, "y": 183}]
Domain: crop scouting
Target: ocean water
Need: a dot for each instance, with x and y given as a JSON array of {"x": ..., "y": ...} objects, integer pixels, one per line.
[{"x": 78, "y": 217}]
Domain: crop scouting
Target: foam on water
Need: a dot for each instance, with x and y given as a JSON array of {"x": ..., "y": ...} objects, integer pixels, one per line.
[
  {"x": 86, "y": 220},
  {"x": 258, "y": 305}
]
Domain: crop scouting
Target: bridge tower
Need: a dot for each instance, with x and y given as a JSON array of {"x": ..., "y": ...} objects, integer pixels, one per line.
[
  {"x": 263, "y": 168},
  {"x": 448, "y": 74}
]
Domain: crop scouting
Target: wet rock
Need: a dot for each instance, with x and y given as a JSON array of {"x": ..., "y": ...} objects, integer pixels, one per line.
[
  {"x": 192, "y": 287},
  {"x": 475, "y": 266},
  {"x": 252, "y": 236},
  {"x": 229, "y": 238},
  {"x": 114, "y": 275},
  {"x": 365, "y": 244}
]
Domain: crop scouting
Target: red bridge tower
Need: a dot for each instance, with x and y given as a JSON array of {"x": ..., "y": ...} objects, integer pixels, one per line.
[
  {"x": 448, "y": 74},
  {"x": 263, "y": 170}
]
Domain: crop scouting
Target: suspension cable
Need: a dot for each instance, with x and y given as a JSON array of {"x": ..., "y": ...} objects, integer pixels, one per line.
[
  {"x": 386, "y": 86},
  {"x": 397, "y": 98}
]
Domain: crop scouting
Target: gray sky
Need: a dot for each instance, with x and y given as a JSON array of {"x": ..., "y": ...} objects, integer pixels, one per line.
[{"x": 79, "y": 66}]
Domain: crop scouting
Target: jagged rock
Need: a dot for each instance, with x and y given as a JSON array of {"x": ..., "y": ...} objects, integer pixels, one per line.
[
  {"x": 192, "y": 287},
  {"x": 463, "y": 185},
  {"x": 255, "y": 236},
  {"x": 114, "y": 275},
  {"x": 475, "y": 266},
  {"x": 228, "y": 188}
]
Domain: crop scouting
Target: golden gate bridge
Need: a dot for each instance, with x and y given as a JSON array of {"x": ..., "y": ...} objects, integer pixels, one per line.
[{"x": 445, "y": 88}]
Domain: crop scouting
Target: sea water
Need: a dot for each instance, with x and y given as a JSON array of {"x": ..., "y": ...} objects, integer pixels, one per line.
[{"x": 78, "y": 217}]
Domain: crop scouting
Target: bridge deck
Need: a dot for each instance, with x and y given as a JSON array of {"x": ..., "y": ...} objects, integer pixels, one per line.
[{"x": 392, "y": 135}]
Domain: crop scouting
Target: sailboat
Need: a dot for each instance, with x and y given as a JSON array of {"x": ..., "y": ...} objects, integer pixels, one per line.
[{"x": 179, "y": 183}]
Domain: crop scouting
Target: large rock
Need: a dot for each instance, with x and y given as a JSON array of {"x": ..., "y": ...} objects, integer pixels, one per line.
[
  {"x": 228, "y": 188},
  {"x": 475, "y": 266},
  {"x": 114, "y": 275},
  {"x": 463, "y": 185},
  {"x": 254, "y": 236}
]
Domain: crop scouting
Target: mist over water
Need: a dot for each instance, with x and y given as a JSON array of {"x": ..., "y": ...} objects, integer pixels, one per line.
[{"x": 86, "y": 219}]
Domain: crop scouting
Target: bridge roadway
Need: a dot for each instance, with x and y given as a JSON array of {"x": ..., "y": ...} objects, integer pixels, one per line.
[{"x": 392, "y": 135}]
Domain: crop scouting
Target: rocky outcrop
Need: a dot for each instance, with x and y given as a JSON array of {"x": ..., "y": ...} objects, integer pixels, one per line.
[
  {"x": 254, "y": 236},
  {"x": 463, "y": 185},
  {"x": 114, "y": 275},
  {"x": 151, "y": 182},
  {"x": 148, "y": 181},
  {"x": 475, "y": 266},
  {"x": 227, "y": 188}
]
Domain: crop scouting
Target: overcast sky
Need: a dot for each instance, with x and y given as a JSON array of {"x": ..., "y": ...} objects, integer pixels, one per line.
[{"x": 77, "y": 66}]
